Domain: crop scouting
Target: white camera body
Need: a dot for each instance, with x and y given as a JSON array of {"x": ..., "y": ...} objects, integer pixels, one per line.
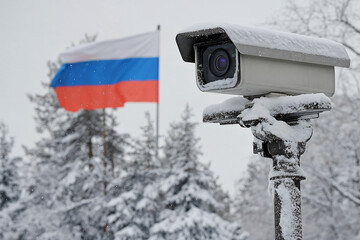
[{"x": 254, "y": 62}]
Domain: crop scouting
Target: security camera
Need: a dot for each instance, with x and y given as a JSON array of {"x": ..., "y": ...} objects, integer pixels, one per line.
[{"x": 255, "y": 62}]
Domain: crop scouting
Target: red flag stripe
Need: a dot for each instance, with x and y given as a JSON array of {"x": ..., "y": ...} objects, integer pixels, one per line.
[{"x": 107, "y": 96}]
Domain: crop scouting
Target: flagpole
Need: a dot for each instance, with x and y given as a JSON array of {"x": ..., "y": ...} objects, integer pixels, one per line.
[
  {"x": 157, "y": 105},
  {"x": 104, "y": 147}
]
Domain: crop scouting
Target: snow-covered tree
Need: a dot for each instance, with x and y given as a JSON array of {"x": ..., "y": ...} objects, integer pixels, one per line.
[
  {"x": 9, "y": 184},
  {"x": 331, "y": 193},
  {"x": 133, "y": 205},
  {"x": 69, "y": 176},
  {"x": 69, "y": 170},
  {"x": 194, "y": 206},
  {"x": 253, "y": 205},
  {"x": 115, "y": 145}
]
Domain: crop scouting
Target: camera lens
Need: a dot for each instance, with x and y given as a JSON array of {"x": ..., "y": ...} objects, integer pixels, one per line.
[{"x": 219, "y": 62}]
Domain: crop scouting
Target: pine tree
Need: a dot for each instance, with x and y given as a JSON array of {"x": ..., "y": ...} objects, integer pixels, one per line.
[
  {"x": 9, "y": 188},
  {"x": 9, "y": 185},
  {"x": 252, "y": 204},
  {"x": 69, "y": 171},
  {"x": 68, "y": 174},
  {"x": 115, "y": 145},
  {"x": 194, "y": 206},
  {"x": 134, "y": 194}
]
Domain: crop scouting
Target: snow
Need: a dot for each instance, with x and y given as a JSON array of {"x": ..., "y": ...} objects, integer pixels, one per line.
[
  {"x": 128, "y": 232},
  {"x": 175, "y": 224},
  {"x": 289, "y": 104},
  {"x": 223, "y": 83},
  {"x": 264, "y": 110},
  {"x": 70, "y": 138},
  {"x": 272, "y": 105},
  {"x": 281, "y": 130},
  {"x": 232, "y": 104},
  {"x": 289, "y": 208},
  {"x": 276, "y": 44},
  {"x": 297, "y": 171}
]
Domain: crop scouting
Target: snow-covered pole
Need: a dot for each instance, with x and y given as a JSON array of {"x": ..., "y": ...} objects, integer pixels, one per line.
[
  {"x": 285, "y": 176},
  {"x": 281, "y": 127}
]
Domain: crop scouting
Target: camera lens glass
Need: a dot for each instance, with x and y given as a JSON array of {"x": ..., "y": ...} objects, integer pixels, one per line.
[{"x": 219, "y": 62}]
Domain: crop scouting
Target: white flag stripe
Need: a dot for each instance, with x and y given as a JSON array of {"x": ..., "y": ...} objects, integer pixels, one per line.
[{"x": 143, "y": 45}]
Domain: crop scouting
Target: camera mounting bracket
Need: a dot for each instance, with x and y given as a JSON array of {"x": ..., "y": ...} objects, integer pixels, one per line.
[
  {"x": 305, "y": 111},
  {"x": 281, "y": 127}
]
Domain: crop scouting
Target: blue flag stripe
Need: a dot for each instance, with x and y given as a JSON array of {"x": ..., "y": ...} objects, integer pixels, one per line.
[{"x": 107, "y": 72}]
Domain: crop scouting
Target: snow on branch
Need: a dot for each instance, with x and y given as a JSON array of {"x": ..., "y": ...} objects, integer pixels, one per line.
[{"x": 345, "y": 193}]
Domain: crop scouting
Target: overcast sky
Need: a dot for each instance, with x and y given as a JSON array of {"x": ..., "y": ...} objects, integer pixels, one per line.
[{"x": 33, "y": 32}]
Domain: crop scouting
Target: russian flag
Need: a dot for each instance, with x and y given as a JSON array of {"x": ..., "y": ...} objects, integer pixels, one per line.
[{"x": 110, "y": 73}]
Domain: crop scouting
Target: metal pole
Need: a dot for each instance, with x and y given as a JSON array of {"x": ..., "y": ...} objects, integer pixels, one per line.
[
  {"x": 104, "y": 148},
  {"x": 287, "y": 200},
  {"x": 104, "y": 132},
  {"x": 157, "y": 107},
  {"x": 286, "y": 176}
]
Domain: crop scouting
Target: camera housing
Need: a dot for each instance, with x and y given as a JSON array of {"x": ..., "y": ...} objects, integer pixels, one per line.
[{"x": 254, "y": 62}]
